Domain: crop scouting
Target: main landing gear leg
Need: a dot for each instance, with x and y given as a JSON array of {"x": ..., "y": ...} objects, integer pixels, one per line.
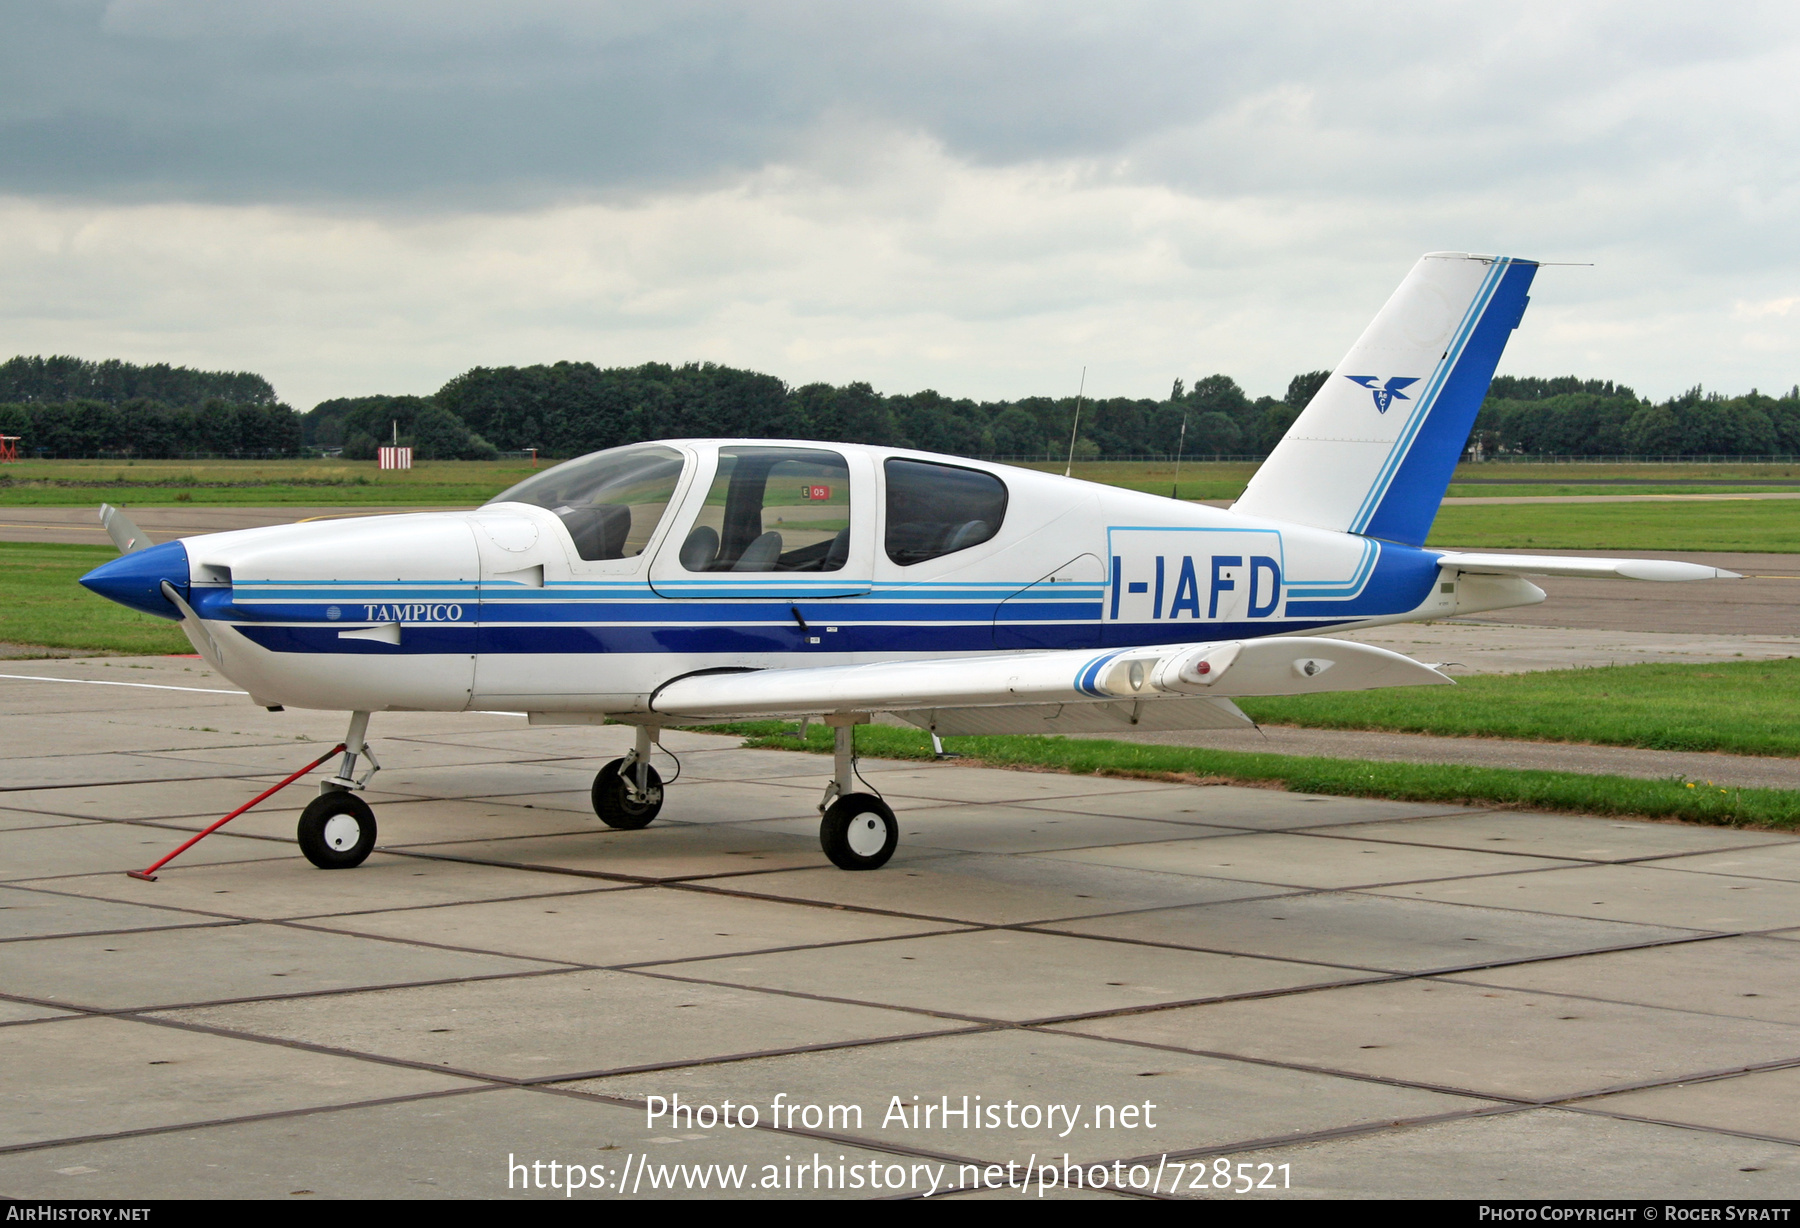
[
  {"x": 628, "y": 793},
  {"x": 337, "y": 830},
  {"x": 858, "y": 831}
]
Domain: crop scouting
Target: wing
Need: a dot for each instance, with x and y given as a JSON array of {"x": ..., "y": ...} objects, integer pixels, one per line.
[
  {"x": 1123, "y": 679},
  {"x": 1562, "y": 565}
]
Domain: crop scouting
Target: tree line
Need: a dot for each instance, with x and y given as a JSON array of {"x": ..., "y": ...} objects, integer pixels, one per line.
[
  {"x": 38, "y": 380},
  {"x": 1574, "y": 417},
  {"x": 567, "y": 408},
  {"x": 151, "y": 429}
]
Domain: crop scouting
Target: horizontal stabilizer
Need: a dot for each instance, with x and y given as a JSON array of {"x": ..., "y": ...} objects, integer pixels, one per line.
[
  {"x": 1560, "y": 565},
  {"x": 1162, "y": 674}
]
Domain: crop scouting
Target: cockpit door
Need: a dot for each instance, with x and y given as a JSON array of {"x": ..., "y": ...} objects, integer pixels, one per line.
[{"x": 772, "y": 522}]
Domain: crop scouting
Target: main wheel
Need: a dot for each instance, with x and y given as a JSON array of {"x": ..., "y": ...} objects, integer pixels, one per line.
[
  {"x": 613, "y": 801},
  {"x": 337, "y": 830},
  {"x": 859, "y": 832}
]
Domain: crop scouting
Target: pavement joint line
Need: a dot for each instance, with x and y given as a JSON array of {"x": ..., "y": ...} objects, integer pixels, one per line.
[
  {"x": 144, "y": 1009},
  {"x": 1444, "y": 970},
  {"x": 602, "y": 875},
  {"x": 1702, "y": 1076},
  {"x": 579, "y": 966},
  {"x": 1751, "y": 878},
  {"x": 1545, "y": 1102},
  {"x": 1574, "y": 857},
  {"x": 499, "y": 899},
  {"x": 871, "y": 910},
  {"x": 306, "y": 1046},
  {"x": 1353, "y": 1130},
  {"x": 1306, "y": 1068},
  {"x": 1248, "y": 995},
  {"x": 214, "y": 924},
  {"x": 804, "y": 996},
  {"x": 231, "y": 917},
  {"x": 960, "y": 927},
  {"x": 247, "y": 1119},
  {"x": 254, "y": 776},
  {"x": 1751, "y": 1135},
  {"x": 722, "y": 1059},
  {"x": 90, "y": 899},
  {"x": 653, "y": 970},
  {"x": 1402, "y": 882},
  {"x": 1735, "y": 848},
  {"x": 1574, "y": 916},
  {"x": 1569, "y": 996},
  {"x": 57, "y": 878}
]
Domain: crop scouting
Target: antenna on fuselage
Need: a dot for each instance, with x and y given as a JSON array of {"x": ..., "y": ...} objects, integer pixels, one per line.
[{"x": 1070, "y": 467}]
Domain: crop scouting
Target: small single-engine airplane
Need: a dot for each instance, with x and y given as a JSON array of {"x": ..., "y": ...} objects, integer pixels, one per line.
[{"x": 696, "y": 580}]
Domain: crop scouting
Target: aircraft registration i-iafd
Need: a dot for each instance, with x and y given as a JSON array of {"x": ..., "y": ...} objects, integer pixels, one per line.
[{"x": 695, "y": 580}]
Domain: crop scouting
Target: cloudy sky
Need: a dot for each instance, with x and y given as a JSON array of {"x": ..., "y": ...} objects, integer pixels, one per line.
[{"x": 356, "y": 196}]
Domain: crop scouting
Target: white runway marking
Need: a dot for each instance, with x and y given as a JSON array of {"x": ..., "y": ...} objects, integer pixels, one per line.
[{"x": 153, "y": 686}]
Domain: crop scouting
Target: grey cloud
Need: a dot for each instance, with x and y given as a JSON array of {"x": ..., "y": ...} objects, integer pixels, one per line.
[{"x": 459, "y": 104}]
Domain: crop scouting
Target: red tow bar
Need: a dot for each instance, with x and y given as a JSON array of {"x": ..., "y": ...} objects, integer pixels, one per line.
[{"x": 148, "y": 873}]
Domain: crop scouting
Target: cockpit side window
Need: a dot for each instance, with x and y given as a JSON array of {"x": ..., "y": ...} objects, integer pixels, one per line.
[
  {"x": 773, "y": 509},
  {"x": 934, "y": 510},
  {"x": 610, "y": 502}
]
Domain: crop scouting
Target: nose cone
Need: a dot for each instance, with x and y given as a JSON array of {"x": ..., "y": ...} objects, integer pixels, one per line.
[{"x": 136, "y": 579}]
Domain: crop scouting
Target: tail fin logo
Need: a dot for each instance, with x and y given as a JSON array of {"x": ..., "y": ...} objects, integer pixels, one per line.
[{"x": 1385, "y": 394}]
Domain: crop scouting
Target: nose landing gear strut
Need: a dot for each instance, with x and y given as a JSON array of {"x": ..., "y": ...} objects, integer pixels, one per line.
[{"x": 337, "y": 829}]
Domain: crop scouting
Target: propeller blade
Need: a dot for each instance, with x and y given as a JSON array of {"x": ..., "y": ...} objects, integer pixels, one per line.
[{"x": 125, "y": 535}]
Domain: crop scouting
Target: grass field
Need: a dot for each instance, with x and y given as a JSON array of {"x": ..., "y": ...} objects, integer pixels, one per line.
[
  {"x": 1568, "y": 792},
  {"x": 1743, "y": 707},
  {"x": 1771, "y": 525},
  {"x": 255, "y": 483},
  {"x": 40, "y": 603}
]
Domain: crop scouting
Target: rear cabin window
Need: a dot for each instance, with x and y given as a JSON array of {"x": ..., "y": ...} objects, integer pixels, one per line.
[
  {"x": 934, "y": 510},
  {"x": 773, "y": 509}
]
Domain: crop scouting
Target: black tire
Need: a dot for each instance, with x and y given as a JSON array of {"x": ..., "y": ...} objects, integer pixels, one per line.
[
  {"x": 337, "y": 830},
  {"x": 612, "y": 800},
  {"x": 859, "y": 832}
]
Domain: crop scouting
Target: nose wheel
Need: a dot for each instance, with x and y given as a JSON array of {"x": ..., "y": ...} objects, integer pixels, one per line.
[{"x": 337, "y": 831}]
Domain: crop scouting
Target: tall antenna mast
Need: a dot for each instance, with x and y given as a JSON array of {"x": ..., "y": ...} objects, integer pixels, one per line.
[{"x": 1070, "y": 467}]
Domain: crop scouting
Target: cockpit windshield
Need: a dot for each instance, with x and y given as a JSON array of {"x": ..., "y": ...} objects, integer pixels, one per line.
[{"x": 611, "y": 501}]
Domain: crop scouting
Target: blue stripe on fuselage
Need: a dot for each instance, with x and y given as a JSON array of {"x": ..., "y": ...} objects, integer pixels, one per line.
[{"x": 550, "y": 622}]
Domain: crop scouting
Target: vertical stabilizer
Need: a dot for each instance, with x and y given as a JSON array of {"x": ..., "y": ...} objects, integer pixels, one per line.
[{"x": 1375, "y": 449}]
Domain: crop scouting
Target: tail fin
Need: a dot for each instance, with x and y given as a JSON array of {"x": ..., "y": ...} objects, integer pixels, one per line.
[{"x": 1374, "y": 450}]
